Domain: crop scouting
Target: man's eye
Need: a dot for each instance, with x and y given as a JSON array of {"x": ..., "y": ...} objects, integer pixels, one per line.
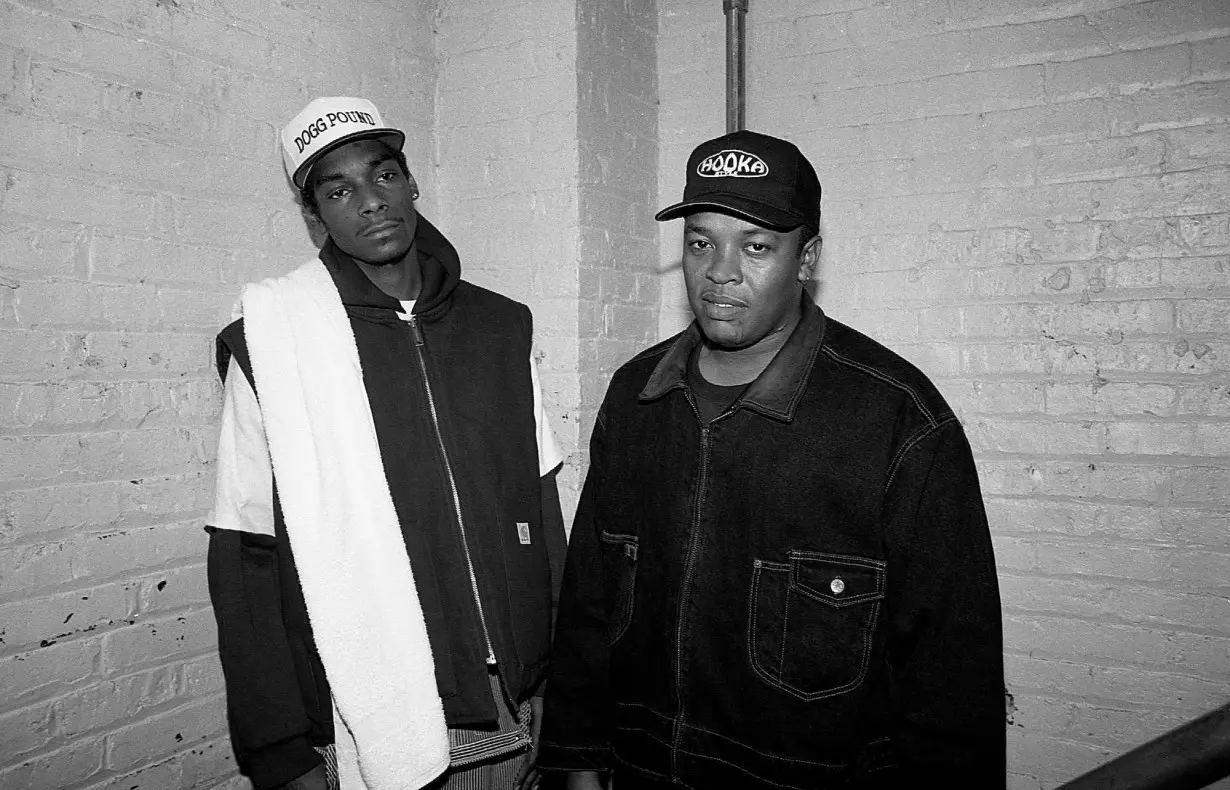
[
  {"x": 387, "y": 175},
  {"x": 698, "y": 244},
  {"x": 337, "y": 194},
  {"x": 756, "y": 248}
]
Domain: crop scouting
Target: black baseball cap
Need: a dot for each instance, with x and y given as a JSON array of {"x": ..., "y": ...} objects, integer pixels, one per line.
[{"x": 753, "y": 176}]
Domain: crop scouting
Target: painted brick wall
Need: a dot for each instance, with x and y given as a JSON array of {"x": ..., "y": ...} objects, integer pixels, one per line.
[
  {"x": 617, "y": 131},
  {"x": 506, "y": 118},
  {"x": 141, "y": 186},
  {"x": 1029, "y": 199},
  {"x": 546, "y": 166}
]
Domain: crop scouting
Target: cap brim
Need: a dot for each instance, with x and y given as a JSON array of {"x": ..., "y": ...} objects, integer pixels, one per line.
[
  {"x": 393, "y": 137},
  {"x": 738, "y": 206}
]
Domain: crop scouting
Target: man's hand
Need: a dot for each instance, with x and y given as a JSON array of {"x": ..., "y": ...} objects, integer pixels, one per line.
[
  {"x": 529, "y": 778},
  {"x": 315, "y": 779},
  {"x": 584, "y": 780}
]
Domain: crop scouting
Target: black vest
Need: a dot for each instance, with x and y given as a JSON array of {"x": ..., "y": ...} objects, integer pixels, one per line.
[{"x": 470, "y": 348}]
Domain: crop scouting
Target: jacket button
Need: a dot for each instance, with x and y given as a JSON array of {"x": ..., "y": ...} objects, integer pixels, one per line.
[{"x": 837, "y": 586}]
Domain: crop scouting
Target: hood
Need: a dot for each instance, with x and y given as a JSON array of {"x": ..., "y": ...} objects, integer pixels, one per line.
[{"x": 439, "y": 266}]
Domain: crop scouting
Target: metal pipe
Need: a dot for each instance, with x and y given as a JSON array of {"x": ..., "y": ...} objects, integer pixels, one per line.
[
  {"x": 1190, "y": 756},
  {"x": 735, "y": 11}
]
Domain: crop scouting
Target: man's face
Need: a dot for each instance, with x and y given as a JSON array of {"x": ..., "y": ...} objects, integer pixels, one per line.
[
  {"x": 743, "y": 280},
  {"x": 366, "y": 201}
]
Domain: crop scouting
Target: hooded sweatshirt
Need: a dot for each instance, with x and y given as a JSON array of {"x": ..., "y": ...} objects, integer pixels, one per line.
[{"x": 453, "y": 405}]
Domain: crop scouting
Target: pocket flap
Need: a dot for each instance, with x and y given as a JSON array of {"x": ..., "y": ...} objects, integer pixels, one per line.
[
  {"x": 837, "y": 579},
  {"x": 629, "y": 543}
]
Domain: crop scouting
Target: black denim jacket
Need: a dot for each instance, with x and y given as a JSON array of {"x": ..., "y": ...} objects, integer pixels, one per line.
[{"x": 800, "y": 594}]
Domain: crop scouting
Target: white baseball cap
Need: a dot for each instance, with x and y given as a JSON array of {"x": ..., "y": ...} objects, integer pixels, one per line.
[{"x": 326, "y": 123}]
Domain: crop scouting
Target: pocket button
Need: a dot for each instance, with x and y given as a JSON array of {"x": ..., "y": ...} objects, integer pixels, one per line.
[{"x": 837, "y": 586}]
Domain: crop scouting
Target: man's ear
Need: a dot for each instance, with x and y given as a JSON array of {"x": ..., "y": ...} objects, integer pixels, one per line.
[
  {"x": 315, "y": 226},
  {"x": 809, "y": 257}
]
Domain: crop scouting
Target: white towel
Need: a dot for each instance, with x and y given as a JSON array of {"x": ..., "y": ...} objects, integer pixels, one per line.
[{"x": 343, "y": 529}]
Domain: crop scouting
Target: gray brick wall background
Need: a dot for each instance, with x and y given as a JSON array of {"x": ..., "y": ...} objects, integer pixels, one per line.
[{"x": 1027, "y": 199}]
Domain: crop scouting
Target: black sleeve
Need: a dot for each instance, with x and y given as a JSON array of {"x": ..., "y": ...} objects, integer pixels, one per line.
[
  {"x": 578, "y": 706},
  {"x": 945, "y": 648},
  {"x": 268, "y": 721}
]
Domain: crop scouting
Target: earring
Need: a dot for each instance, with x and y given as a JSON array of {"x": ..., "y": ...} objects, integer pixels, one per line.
[{"x": 414, "y": 195}]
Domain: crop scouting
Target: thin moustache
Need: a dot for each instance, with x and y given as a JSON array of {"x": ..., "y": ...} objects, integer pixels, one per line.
[
  {"x": 379, "y": 226},
  {"x": 711, "y": 296}
]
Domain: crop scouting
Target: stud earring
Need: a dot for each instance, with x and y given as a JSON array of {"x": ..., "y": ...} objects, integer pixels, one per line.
[{"x": 414, "y": 195}]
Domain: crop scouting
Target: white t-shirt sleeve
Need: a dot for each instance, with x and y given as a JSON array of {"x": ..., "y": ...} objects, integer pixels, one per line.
[
  {"x": 244, "y": 498},
  {"x": 549, "y": 455}
]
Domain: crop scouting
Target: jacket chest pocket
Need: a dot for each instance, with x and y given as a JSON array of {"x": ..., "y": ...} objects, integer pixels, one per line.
[
  {"x": 811, "y": 621},
  {"x": 619, "y": 578}
]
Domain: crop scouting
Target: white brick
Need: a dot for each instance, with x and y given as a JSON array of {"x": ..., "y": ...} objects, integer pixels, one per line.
[
  {"x": 91, "y": 559},
  {"x": 208, "y": 763},
  {"x": 144, "y": 259},
  {"x": 1210, "y": 400},
  {"x": 1124, "y": 70},
  {"x": 63, "y": 92},
  {"x": 1152, "y": 23},
  {"x": 56, "y": 667},
  {"x": 1102, "y": 398},
  {"x": 34, "y": 622},
  {"x": 191, "y": 725},
  {"x": 159, "y": 639},
  {"x": 1110, "y": 600},
  {"x": 40, "y": 247},
  {"x": 1125, "y": 684},
  {"x": 64, "y": 767},
  {"x": 69, "y": 303},
  {"x": 1199, "y": 655},
  {"x": 989, "y": 435},
  {"x": 1168, "y": 438},
  {"x": 27, "y": 513},
  {"x": 113, "y": 701},
  {"x": 1099, "y": 159},
  {"x": 1210, "y": 316},
  {"x": 1054, "y": 760},
  {"x": 1211, "y": 59},
  {"x": 109, "y": 404},
  {"x": 12, "y": 72}
]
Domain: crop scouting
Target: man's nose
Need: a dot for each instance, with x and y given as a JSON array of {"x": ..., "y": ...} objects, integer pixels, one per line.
[
  {"x": 726, "y": 267},
  {"x": 371, "y": 200}
]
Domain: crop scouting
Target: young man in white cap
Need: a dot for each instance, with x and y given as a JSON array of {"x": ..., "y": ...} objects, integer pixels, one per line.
[
  {"x": 780, "y": 573},
  {"x": 387, "y": 533}
]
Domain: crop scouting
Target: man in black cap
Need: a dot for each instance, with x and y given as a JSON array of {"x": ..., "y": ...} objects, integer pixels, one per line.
[
  {"x": 780, "y": 573},
  {"x": 387, "y": 528}
]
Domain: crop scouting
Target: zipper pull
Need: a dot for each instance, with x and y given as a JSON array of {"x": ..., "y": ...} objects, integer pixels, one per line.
[
  {"x": 490, "y": 657},
  {"x": 415, "y": 331}
]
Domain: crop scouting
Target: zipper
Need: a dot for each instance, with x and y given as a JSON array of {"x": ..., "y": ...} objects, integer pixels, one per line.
[
  {"x": 452, "y": 484},
  {"x": 689, "y": 569}
]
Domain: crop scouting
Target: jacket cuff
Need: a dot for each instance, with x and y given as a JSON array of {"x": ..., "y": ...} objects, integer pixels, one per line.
[
  {"x": 276, "y": 765},
  {"x": 557, "y": 757}
]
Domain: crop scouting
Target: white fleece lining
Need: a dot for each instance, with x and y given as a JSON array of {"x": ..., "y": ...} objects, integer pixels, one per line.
[{"x": 356, "y": 577}]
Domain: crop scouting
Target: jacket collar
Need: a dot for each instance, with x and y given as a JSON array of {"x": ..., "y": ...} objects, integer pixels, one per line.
[
  {"x": 438, "y": 263},
  {"x": 776, "y": 391}
]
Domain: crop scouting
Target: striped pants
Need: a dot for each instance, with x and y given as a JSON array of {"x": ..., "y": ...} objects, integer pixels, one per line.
[
  {"x": 498, "y": 773},
  {"x": 507, "y": 747}
]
